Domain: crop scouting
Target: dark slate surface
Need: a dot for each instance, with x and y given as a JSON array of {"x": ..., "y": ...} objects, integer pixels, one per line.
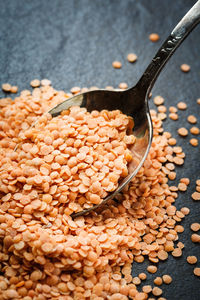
[{"x": 74, "y": 42}]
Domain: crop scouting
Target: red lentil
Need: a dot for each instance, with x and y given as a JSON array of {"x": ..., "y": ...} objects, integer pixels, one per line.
[
  {"x": 185, "y": 68},
  {"x": 131, "y": 57},
  {"x": 154, "y": 37},
  {"x": 123, "y": 85},
  {"x": 192, "y": 119},
  {"x": 182, "y": 131},
  {"x": 182, "y": 105},
  {"x": 195, "y": 226},
  {"x": 197, "y": 272},
  {"x": 117, "y": 64},
  {"x": 194, "y": 130},
  {"x": 6, "y": 87},
  {"x": 167, "y": 279},
  {"x": 191, "y": 260}
]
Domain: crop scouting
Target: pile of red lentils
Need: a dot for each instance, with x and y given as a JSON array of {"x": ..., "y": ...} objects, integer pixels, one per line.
[{"x": 44, "y": 253}]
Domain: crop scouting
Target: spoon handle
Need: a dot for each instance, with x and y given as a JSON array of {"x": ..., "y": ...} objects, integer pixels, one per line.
[{"x": 177, "y": 36}]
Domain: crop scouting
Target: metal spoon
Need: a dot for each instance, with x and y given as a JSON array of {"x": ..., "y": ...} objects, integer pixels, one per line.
[{"x": 134, "y": 101}]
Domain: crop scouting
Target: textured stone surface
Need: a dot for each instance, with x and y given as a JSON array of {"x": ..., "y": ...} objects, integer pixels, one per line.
[{"x": 73, "y": 42}]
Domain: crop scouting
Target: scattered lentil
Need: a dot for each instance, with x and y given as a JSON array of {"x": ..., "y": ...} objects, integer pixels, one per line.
[
  {"x": 185, "y": 68},
  {"x": 182, "y": 105},
  {"x": 158, "y": 281},
  {"x": 173, "y": 116},
  {"x": 6, "y": 87},
  {"x": 156, "y": 291},
  {"x": 167, "y": 279},
  {"x": 35, "y": 83},
  {"x": 194, "y": 142},
  {"x": 192, "y": 119},
  {"x": 154, "y": 37},
  {"x": 158, "y": 100},
  {"x": 123, "y": 85},
  {"x": 196, "y": 196},
  {"x": 14, "y": 89},
  {"x": 195, "y": 238},
  {"x": 192, "y": 260},
  {"x": 132, "y": 57},
  {"x": 197, "y": 272},
  {"x": 182, "y": 131},
  {"x": 117, "y": 64},
  {"x": 194, "y": 130},
  {"x": 152, "y": 269},
  {"x": 195, "y": 226}
]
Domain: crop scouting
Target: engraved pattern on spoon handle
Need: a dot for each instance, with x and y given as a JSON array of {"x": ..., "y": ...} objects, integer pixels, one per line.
[{"x": 179, "y": 33}]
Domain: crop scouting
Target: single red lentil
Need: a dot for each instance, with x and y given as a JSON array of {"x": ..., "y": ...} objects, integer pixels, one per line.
[
  {"x": 185, "y": 68},
  {"x": 132, "y": 57},
  {"x": 191, "y": 260},
  {"x": 117, "y": 64},
  {"x": 154, "y": 37}
]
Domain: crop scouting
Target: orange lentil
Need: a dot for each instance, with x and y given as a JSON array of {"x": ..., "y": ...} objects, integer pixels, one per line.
[
  {"x": 182, "y": 105},
  {"x": 132, "y": 57},
  {"x": 152, "y": 269},
  {"x": 194, "y": 130},
  {"x": 154, "y": 37},
  {"x": 185, "y": 180},
  {"x": 6, "y": 87},
  {"x": 109, "y": 87},
  {"x": 194, "y": 142},
  {"x": 178, "y": 160},
  {"x": 45, "y": 82},
  {"x": 75, "y": 90},
  {"x": 147, "y": 289},
  {"x": 167, "y": 279},
  {"x": 173, "y": 116},
  {"x": 180, "y": 245},
  {"x": 158, "y": 281},
  {"x": 123, "y": 85},
  {"x": 182, "y": 131},
  {"x": 14, "y": 89},
  {"x": 182, "y": 187},
  {"x": 142, "y": 276},
  {"x": 197, "y": 272},
  {"x": 185, "y": 68},
  {"x": 35, "y": 83},
  {"x": 162, "y": 255},
  {"x": 136, "y": 280},
  {"x": 195, "y": 227},
  {"x": 198, "y": 101},
  {"x": 173, "y": 109},
  {"x": 192, "y": 119},
  {"x": 191, "y": 260},
  {"x": 172, "y": 141},
  {"x": 162, "y": 116},
  {"x": 177, "y": 252},
  {"x": 158, "y": 100},
  {"x": 195, "y": 238},
  {"x": 117, "y": 64},
  {"x": 185, "y": 210},
  {"x": 156, "y": 291},
  {"x": 162, "y": 109},
  {"x": 196, "y": 196}
]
